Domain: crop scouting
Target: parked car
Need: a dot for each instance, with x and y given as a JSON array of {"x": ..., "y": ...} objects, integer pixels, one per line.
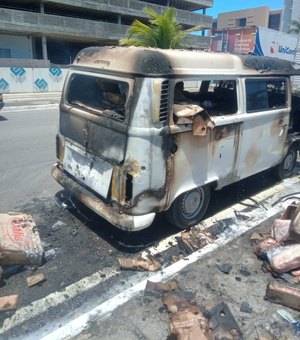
[{"x": 1, "y": 101}]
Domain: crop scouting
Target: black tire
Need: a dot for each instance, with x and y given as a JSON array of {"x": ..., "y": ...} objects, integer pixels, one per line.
[
  {"x": 189, "y": 208},
  {"x": 286, "y": 167}
]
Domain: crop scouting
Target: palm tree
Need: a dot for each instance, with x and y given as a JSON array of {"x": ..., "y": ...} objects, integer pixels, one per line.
[
  {"x": 162, "y": 31},
  {"x": 295, "y": 29}
]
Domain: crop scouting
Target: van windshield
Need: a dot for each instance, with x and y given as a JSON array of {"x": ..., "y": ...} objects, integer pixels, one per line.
[{"x": 98, "y": 96}]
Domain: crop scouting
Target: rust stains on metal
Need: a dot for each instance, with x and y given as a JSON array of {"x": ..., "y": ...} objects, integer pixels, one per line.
[{"x": 252, "y": 156}]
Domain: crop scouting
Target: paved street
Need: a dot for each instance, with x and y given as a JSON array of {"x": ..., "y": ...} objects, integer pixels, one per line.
[{"x": 84, "y": 284}]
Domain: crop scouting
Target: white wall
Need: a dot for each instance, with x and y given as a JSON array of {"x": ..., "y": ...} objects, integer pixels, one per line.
[
  {"x": 19, "y": 47},
  {"x": 20, "y": 79}
]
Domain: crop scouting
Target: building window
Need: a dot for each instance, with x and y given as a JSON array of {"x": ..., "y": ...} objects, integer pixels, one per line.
[
  {"x": 243, "y": 22},
  {"x": 5, "y": 53}
]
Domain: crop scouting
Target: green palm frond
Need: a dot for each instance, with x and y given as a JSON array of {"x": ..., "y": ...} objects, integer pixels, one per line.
[
  {"x": 163, "y": 31},
  {"x": 295, "y": 27}
]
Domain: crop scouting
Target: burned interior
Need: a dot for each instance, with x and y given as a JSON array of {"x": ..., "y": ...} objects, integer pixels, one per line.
[
  {"x": 98, "y": 95},
  {"x": 216, "y": 97}
]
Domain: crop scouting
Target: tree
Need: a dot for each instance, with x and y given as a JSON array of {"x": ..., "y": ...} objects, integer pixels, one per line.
[
  {"x": 162, "y": 31},
  {"x": 295, "y": 27}
]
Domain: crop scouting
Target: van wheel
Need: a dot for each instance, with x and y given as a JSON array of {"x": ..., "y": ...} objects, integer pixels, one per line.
[
  {"x": 189, "y": 208},
  {"x": 286, "y": 167}
]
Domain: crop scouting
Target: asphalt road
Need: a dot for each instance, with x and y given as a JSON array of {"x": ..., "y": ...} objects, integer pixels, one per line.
[{"x": 27, "y": 149}]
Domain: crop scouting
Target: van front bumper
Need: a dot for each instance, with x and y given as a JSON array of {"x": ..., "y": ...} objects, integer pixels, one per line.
[{"x": 118, "y": 219}]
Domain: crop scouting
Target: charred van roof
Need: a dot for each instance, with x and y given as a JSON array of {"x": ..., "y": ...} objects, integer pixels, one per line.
[{"x": 158, "y": 62}]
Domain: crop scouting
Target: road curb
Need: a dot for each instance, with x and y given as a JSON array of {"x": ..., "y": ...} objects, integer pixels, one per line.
[{"x": 29, "y": 108}]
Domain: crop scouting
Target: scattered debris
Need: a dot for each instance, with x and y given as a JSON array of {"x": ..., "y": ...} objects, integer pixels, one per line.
[
  {"x": 193, "y": 239},
  {"x": 9, "y": 302},
  {"x": 265, "y": 246},
  {"x": 283, "y": 295},
  {"x": 223, "y": 324},
  {"x": 161, "y": 287},
  {"x": 245, "y": 307},
  {"x": 19, "y": 240},
  {"x": 150, "y": 264},
  {"x": 35, "y": 279},
  {"x": 49, "y": 254},
  {"x": 290, "y": 319},
  {"x": 224, "y": 268},
  {"x": 57, "y": 225},
  {"x": 244, "y": 271},
  {"x": 186, "y": 319},
  {"x": 280, "y": 230},
  {"x": 285, "y": 259},
  {"x": 256, "y": 236}
]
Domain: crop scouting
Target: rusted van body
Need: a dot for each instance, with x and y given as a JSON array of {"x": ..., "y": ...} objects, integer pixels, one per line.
[{"x": 129, "y": 146}]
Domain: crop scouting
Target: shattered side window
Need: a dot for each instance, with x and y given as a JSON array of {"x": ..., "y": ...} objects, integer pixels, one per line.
[
  {"x": 99, "y": 96},
  {"x": 266, "y": 94},
  {"x": 215, "y": 97}
]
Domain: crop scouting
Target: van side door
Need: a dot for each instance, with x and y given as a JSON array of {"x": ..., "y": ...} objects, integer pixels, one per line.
[{"x": 265, "y": 124}]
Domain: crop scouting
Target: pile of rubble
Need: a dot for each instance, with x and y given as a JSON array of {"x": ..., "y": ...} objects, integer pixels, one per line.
[
  {"x": 280, "y": 251},
  {"x": 20, "y": 246}
]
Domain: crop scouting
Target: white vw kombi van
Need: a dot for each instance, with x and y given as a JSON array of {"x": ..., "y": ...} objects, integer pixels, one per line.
[{"x": 144, "y": 131}]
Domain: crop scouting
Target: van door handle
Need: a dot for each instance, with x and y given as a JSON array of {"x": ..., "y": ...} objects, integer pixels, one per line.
[{"x": 282, "y": 130}]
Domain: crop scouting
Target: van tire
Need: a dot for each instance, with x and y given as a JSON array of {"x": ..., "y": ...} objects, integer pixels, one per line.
[
  {"x": 188, "y": 209},
  {"x": 286, "y": 167}
]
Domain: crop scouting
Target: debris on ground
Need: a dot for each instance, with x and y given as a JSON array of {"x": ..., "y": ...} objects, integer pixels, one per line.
[
  {"x": 193, "y": 239},
  {"x": 161, "y": 287},
  {"x": 222, "y": 323},
  {"x": 150, "y": 264},
  {"x": 224, "y": 268},
  {"x": 9, "y": 302},
  {"x": 35, "y": 279},
  {"x": 58, "y": 225},
  {"x": 49, "y": 254},
  {"x": 281, "y": 252},
  {"x": 186, "y": 319},
  {"x": 284, "y": 295},
  {"x": 20, "y": 242}
]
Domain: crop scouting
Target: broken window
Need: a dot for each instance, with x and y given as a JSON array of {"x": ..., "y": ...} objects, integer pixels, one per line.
[
  {"x": 98, "y": 96},
  {"x": 266, "y": 94},
  {"x": 215, "y": 97}
]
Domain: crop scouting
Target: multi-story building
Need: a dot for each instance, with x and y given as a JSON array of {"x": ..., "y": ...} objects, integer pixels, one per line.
[
  {"x": 56, "y": 30},
  {"x": 235, "y": 31}
]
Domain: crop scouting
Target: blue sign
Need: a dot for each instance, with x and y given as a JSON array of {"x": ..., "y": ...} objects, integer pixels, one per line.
[
  {"x": 55, "y": 72},
  {"x": 41, "y": 84},
  {"x": 4, "y": 85},
  {"x": 19, "y": 73}
]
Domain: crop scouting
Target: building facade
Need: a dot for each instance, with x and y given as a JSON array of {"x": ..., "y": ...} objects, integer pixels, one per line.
[
  {"x": 235, "y": 32},
  {"x": 56, "y": 30}
]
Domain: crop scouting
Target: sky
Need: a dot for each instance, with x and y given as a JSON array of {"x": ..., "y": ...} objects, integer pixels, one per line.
[{"x": 221, "y": 6}]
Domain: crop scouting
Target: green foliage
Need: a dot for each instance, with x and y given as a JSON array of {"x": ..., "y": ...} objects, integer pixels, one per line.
[
  {"x": 162, "y": 31},
  {"x": 295, "y": 27}
]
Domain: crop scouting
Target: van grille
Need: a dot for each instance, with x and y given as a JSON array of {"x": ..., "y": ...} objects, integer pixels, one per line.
[{"x": 164, "y": 101}]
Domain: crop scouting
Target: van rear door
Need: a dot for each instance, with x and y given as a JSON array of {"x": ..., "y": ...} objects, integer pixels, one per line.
[{"x": 94, "y": 114}]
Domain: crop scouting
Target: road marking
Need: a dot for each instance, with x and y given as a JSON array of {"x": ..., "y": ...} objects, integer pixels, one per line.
[
  {"x": 258, "y": 215},
  {"x": 40, "y": 306}
]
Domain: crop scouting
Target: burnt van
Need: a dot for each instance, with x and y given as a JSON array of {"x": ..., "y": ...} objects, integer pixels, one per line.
[{"x": 144, "y": 131}]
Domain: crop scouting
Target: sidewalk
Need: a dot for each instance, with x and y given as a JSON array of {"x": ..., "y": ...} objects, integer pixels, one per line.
[{"x": 30, "y": 101}]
